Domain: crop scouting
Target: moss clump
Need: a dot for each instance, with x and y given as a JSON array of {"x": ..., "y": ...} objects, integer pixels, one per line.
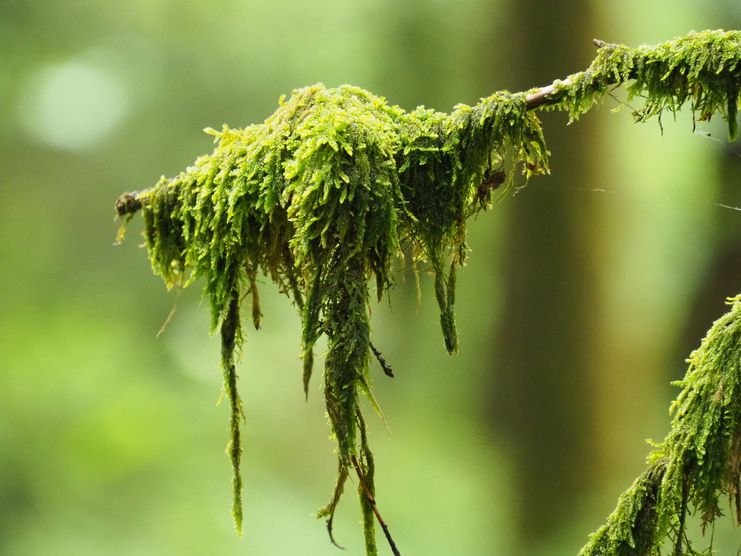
[
  {"x": 333, "y": 187},
  {"x": 322, "y": 197},
  {"x": 697, "y": 463}
]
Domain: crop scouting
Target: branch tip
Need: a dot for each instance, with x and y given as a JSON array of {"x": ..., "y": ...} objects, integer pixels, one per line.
[{"x": 128, "y": 204}]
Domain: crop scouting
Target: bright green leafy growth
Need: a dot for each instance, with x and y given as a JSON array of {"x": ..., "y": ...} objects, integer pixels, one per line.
[
  {"x": 702, "y": 68},
  {"x": 336, "y": 185},
  {"x": 322, "y": 197},
  {"x": 698, "y": 462}
]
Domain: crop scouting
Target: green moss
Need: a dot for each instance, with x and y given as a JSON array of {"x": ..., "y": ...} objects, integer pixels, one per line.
[
  {"x": 699, "y": 461},
  {"x": 322, "y": 197},
  {"x": 337, "y": 184},
  {"x": 702, "y": 69}
]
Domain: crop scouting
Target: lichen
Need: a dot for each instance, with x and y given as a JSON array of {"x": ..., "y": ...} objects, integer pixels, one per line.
[
  {"x": 699, "y": 461},
  {"x": 337, "y": 184}
]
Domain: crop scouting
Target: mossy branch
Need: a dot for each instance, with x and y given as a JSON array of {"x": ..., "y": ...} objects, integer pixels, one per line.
[
  {"x": 697, "y": 463},
  {"x": 333, "y": 187}
]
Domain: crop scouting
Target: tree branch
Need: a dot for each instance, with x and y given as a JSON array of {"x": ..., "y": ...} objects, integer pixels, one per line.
[
  {"x": 704, "y": 68},
  {"x": 553, "y": 93},
  {"x": 320, "y": 206},
  {"x": 129, "y": 203}
]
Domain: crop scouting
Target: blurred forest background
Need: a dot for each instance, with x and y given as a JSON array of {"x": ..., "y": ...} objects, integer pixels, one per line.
[{"x": 581, "y": 299}]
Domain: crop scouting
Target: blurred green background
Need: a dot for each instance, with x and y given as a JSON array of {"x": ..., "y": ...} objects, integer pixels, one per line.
[{"x": 582, "y": 296}]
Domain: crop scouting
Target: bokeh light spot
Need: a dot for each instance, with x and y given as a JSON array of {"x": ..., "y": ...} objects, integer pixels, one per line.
[{"x": 73, "y": 105}]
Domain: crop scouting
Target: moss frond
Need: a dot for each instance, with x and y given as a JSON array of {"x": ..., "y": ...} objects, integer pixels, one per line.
[{"x": 321, "y": 197}]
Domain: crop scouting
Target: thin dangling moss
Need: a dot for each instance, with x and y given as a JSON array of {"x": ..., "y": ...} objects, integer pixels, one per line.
[
  {"x": 335, "y": 185},
  {"x": 699, "y": 461},
  {"x": 230, "y": 337}
]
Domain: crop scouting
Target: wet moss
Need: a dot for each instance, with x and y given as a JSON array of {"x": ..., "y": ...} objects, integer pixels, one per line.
[{"x": 337, "y": 184}]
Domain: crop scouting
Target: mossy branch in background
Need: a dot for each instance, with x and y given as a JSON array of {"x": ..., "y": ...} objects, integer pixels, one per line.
[
  {"x": 336, "y": 185},
  {"x": 699, "y": 461}
]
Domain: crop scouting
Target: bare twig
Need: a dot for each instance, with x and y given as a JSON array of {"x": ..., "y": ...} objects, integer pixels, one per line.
[
  {"x": 549, "y": 94},
  {"x": 372, "y": 500},
  {"x": 128, "y": 203},
  {"x": 387, "y": 370},
  {"x": 543, "y": 96}
]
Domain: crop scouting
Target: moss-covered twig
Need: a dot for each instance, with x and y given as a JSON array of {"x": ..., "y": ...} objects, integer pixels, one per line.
[
  {"x": 699, "y": 461},
  {"x": 325, "y": 194},
  {"x": 372, "y": 501}
]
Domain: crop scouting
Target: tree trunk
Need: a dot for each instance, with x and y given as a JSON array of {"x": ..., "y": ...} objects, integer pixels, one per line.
[{"x": 548, "y": 330}]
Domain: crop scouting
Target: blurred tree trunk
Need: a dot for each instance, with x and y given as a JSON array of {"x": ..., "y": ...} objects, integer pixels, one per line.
[
  {"x": 548, "y": 333},
  {"x": 412, "y": 71},
  {"x": 721, "y": 277}
]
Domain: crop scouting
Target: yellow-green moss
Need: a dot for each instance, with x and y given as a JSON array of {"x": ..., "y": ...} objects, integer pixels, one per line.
[
  {"x": 699, "y": 461},
  {"x": 322, "y": 197},
  {"x": 325, "y": 194}
]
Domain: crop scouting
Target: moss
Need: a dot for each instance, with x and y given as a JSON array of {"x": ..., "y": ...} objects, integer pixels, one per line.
[
  {"x": 702, "y": 69},
  {"x": 699, "y": 461},
  {"x": 337, "y": 184},
  {"x": 322, "y": 197}
]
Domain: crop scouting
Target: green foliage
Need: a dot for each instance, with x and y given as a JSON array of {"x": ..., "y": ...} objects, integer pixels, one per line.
[
  {"x": 697, "y": 463},
  {"x": 336, "y": 185}
]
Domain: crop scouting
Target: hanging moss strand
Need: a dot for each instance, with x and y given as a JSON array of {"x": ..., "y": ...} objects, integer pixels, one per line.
[
  {"x": 329, "y": 510},
  {"x": 346, "y": 362},
  {"x": 366, "y": 487},
  {"x": 229, "y": 340}
]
